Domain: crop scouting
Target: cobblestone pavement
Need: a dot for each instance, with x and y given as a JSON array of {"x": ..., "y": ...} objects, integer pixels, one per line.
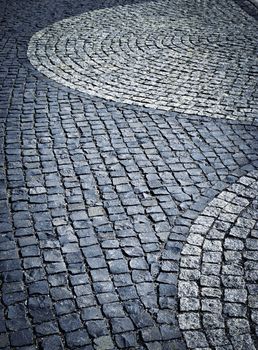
[
  {"x": 128, "y": 207},
  {"x": 218, "y": 270},
  {"x": 192, "y": 56}
]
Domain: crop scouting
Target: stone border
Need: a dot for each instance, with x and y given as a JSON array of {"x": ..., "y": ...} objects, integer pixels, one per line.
[{"x": 212, "y": 289}]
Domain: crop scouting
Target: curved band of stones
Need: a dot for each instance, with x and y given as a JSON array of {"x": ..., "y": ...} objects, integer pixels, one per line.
[
  {"x": 218, "y": 271},
  {"x": 196, "y": 58}
]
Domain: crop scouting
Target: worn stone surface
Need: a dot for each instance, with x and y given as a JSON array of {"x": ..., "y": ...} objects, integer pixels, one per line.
[
  {"x": 104, "y": 205},
  {"x": 224, "y": 307},
  {"x": 191, "y": 57}
]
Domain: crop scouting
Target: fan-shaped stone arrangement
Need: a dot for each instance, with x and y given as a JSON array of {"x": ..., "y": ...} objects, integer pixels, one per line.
[
  {"x": 196, "y": 57},
  {"x": 97, "y": 198},
  {"x": 219, "y": 272}
]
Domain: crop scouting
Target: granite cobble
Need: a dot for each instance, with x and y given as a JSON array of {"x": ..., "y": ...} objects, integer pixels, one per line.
[
  {"x": 191, "y": 57},
  {"x": 108, "y": 208},
  {"x": 221, "y": 311}
]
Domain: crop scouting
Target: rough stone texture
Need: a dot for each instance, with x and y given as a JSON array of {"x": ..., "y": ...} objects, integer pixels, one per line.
[
  {"x": 225, "y": 311},
  {"x": 192, "y": 57},
  {"x": 97, "y": 197}
]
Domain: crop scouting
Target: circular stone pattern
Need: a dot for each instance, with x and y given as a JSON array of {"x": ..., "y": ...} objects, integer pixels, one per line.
[
  {"x": 196, "y": 57},
  {"x": 218, "y": 290}
]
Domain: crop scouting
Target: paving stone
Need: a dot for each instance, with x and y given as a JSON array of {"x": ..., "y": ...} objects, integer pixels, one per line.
[
  {"x": 223, "y": 316},
  {"x": 40, "y": 287},
  {"x": 121, "y": 325},
  {"x": 128, "y": 189},
  {"x": 151, "y": 334},
  {"x": 53, "y": 341},
  {"x": 78, "y": 338},
  {"x": 47, "y": 328},
  {"x": 17, "y": 324},
  {"x": 20, "y": 338},
  {"x": 113, "y": 310},
  {"x": 59, "y": 293},
  {"x": 70, "y": 322},
  {"x": 12, "y": 298},
  {"x": 97, "y": 328},
  {"x": 4, "y": 341},
  {"x": 40, "y": 308},
  {"x": 91, "y": 313},
  {"x": 126, "y": 340}
]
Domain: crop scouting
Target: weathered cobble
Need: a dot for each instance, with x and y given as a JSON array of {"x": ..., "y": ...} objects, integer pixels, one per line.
[
  {"x": 192, "y": 57},
  {"x": 221, "y": 310},
  {"x": 97, "y": 199}
]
